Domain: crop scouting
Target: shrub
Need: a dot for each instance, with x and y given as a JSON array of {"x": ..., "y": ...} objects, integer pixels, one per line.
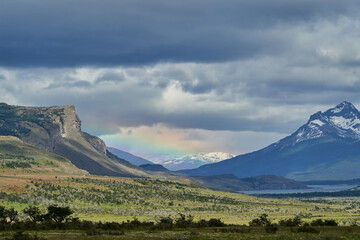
[
  {"x": 308, "y": 229},
  {"x": 58, "y": 214},
  {"x": 271, "y": 228},
  {"x": 165, "y": 222},
  {"x": 12, "y": 214},
  {"x": 135, "y": 222},
  {"x": 320, "y": 222},
  {"x": 295, "y": 222},
  {"x": 235, "y": 230},
  {"x": 34, "y": 213},
  {"x": 215, "y": 222},
  {"x": 24, "y": 236},
  {"x": 184, "y": 221},
  {"x": 262, "y": 220}
]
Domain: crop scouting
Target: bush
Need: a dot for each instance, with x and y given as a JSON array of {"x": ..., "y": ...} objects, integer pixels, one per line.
[
  {"x": 295, "y": 222},
  {"x": 58, "y": 214},
  {"x": 271, "y": 228},
  {"x": 165, "y": 222},
  {"x": 235, "y": 230},
  {"x": 215, "y": 222},
  {"x": 260, "y": 221},
  {"x": 6, "y": 214},
  {"x": 184, "y": 221},
  {"x": 320, "y": 222},
  {"x": 308, "y": 229},
  {"x": 34, "y": 213},
  {"x": 24, "y": 236}
]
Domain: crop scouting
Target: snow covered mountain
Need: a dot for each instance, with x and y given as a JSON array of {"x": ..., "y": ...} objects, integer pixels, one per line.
[
  {"x": 327, "y": 147},
  {"x": 341, "y": 121},
  {"x": 195, "y": 160}
]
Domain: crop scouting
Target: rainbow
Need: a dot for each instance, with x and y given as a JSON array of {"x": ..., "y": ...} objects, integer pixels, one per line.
[{"x": 150, "y": 143}]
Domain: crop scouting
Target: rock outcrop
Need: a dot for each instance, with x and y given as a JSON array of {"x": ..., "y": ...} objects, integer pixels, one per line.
[{"x": 57, "y": 129}]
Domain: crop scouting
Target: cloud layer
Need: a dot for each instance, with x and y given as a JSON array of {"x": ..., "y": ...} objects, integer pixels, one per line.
[
  {"x": 189, "y": 68},
  {"x": 137, "y": 32}
]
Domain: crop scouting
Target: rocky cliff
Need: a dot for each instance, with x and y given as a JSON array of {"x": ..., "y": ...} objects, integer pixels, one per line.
[{"x": 57, "y": 129}]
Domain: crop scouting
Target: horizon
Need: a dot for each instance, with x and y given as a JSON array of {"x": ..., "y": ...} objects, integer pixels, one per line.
[{"x": 167, "y": 79}]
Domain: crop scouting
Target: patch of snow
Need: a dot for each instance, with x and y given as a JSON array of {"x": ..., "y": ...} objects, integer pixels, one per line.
[
  {"x": 317, "y": 122},
  {"x": 337, "y": 110},
  {"x": 195, "y": 160},
  {"x": 345, "y": 123}
]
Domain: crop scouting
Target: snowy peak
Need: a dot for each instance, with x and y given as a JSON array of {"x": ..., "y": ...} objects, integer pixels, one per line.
[
  {"x": 342, "y": 109},
  {"x": 341, "y": 121},
  {"x": 195, "y": 160}
]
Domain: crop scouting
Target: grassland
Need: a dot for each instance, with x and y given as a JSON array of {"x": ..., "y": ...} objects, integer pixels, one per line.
[{"x": 120, "y": 199}]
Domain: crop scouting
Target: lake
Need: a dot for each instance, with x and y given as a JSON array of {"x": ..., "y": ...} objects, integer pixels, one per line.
[{"x": 312, "y": 188}]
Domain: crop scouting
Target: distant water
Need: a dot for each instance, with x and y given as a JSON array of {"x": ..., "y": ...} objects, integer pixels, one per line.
[{"x": 312, "y": 188}]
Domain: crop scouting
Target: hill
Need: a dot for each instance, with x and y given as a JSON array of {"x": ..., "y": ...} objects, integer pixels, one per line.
[
  {"x": 57, "y": 129},
  {"x": 17, "y": 157},
  {"x": 129, "y": 157},
  {"x": 154, "y": 167},
  {"x": 327, "y": 147},
  {"x": 230, "y": 182}
]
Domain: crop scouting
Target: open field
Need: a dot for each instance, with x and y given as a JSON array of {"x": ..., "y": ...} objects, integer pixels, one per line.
[{"x": 120, "y": 199}]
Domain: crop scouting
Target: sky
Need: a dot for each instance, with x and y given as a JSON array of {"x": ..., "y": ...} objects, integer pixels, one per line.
[{"x": 162, "y": 79}]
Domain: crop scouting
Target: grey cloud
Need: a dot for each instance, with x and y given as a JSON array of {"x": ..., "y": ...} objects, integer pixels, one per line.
[
  {"x": 110, "y": 77},
  {"x": 238, "y": 65},
  {"x": 249, "y": 95},
  {"x": 72, "y": 84},
  {"x": 138, "y": 32}
]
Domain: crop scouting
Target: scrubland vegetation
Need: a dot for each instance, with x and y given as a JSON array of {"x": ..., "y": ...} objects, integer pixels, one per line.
[
  {"x": 58, "y": 223},
  {"x": 138, "y": 208}
]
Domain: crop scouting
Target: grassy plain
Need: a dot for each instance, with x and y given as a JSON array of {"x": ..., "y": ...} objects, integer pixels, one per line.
[{"x": 119, "y": 199}]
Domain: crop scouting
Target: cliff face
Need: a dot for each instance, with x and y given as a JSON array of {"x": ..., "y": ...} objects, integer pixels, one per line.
[{"x": 57, "y": 129}]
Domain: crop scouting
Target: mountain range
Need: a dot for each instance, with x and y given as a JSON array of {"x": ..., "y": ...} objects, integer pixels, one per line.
[
  {"x": 195, "y": 160},
  {"x": 327, "y": 147}
]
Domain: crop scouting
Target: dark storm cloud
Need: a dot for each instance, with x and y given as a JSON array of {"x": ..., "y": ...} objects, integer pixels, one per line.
[{"x": 136, "y": 32}]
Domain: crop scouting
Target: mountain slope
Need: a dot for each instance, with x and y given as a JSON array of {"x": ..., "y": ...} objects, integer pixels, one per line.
[
  {"x": 230, "y": 182},
  {"x": 195, "y": 160},
  {"x": 129, "y": 157},
  {"x": 327, "y": 147},
  {"x": 57, "y": 129},
  {"x": 18, "y": 156},
  {"x": 154, "y": 167}
]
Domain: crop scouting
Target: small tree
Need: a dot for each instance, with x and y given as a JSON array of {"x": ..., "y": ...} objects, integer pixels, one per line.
[
  {"x": 2, "y": 214},
  {"x": 260, "y": 221},
  {"x": 58, "y": 214},
  {"x": 34, "y": 213},
  {"x": 11, "y": 214},
  {"x": 295, "y": 222},
  {"x": 183, "y": 220}
]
